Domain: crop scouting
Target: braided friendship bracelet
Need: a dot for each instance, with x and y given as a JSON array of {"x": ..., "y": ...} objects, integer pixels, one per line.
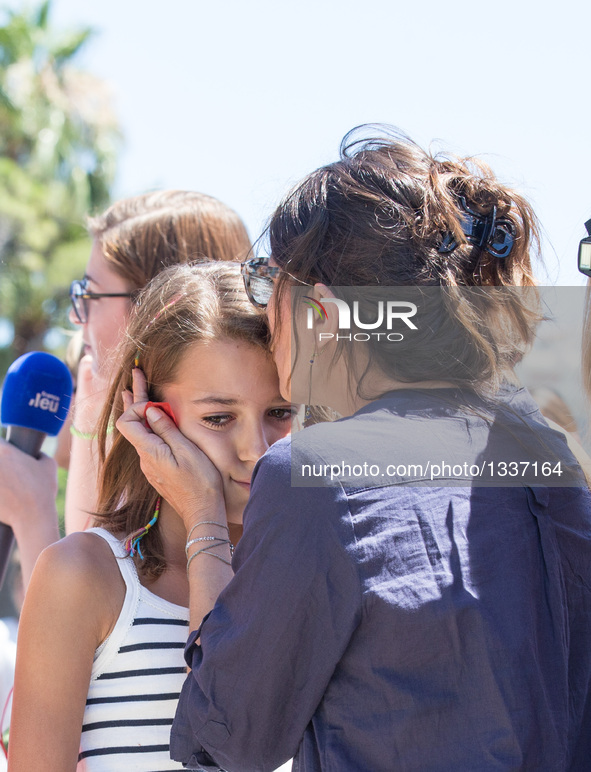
[
  {"x": 132, "y": 543},
  {"x": 89, "y": 435}
]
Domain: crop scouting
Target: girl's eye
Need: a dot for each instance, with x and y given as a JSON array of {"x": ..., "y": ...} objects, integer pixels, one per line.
[
  {"x": 217, "y": 420},
  {"x": 282, "y": 413}
]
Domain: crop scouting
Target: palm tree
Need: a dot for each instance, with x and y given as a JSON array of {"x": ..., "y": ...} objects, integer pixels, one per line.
[{"x": 58, "y": 146}]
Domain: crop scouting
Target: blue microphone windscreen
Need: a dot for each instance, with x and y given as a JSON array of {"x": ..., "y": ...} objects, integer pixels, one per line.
[{"x": 36, "y": 393}]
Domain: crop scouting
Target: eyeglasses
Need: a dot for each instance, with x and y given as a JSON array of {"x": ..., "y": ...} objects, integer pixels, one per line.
[
  {"x": 79, "y": 295},
  {"x": 584, "y": 261},
  {"x": 259, "y": 279}
]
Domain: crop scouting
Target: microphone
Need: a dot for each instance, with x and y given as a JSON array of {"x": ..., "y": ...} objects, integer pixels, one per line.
[{"x": 36, "y": 398}]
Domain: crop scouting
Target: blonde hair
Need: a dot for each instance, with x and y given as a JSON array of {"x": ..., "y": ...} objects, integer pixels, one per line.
[
  {"x": 140, "y": 236},
  {"x": 182, "y": 306}
]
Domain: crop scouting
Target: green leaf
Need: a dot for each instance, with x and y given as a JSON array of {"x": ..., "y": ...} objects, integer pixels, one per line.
[
  {"x": 43, "y": 14},
  {"x": 70, "y": 44}
]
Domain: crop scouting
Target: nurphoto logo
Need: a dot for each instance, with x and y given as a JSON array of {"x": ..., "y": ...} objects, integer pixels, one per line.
[{"x": 388, "y": 313}]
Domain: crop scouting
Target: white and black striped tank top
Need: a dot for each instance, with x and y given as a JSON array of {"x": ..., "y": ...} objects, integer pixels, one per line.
[{"x": 136, "y": 681}]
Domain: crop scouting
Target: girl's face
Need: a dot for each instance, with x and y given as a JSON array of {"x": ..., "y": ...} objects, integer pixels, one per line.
[
  {"x": 226, "y": 400},
  {"x": 107, "y": 317}
]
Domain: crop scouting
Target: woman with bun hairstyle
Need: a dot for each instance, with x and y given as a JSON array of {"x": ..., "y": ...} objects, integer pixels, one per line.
[
  {"x": 133, "y": 240},
  {"x": 101, "y": 691},
  {"x": 415, "y": 577}
]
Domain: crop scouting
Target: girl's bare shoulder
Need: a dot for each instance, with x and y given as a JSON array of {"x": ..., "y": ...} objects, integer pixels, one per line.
[
  {"x": 82, "y": 555},
  {"x": 82, "y": 568}
]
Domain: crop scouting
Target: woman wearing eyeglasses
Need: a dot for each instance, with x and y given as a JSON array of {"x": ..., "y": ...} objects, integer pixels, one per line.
[
  {"x": 388, "y": 611},
  {"x": 133, "y": 240}
]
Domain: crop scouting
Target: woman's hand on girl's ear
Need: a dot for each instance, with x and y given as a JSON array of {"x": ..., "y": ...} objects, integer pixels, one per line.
[{"x": 181, "y": 473}]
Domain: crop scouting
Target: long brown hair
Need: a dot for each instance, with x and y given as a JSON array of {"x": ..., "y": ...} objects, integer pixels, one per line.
[
  {"x": 140, "y": 236},
  {"x": 377, "y": 218},
  {"x": 182, "y": 306}
]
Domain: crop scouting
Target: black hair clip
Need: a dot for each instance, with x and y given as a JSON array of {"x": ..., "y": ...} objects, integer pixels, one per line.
[
  {"x": 494, "y": 234},
  {"x": 584, "y": 262}
]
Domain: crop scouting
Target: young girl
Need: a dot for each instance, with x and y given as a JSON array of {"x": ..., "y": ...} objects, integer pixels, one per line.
[
  {"x": 133, "y": 240},
  {"x": 100, "y": 653}
]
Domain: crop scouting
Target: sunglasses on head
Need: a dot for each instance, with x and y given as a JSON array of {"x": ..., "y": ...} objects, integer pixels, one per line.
[
  {"x": 259, "y": 280},
  {"x": 79, "y": 295},
  {"x": 584, "y": 260}
]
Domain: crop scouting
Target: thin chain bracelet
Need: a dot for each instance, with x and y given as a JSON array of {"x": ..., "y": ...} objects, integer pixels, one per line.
[
  {"x": 207, "y": 522},
  {"x": 217, "y": 539},
  {"x": 204, "y": 550}
]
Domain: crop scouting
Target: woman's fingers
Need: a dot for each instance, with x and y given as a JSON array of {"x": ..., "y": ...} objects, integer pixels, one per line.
[
  {"x": 140, "y": 389},
  {"x": 132, "y": 426},
  {"x": 134, "y": 403},
  {"x": 172, "y": 464},
  {"x": 127, "y": 397},
  {"x": 194, "y": 467}
]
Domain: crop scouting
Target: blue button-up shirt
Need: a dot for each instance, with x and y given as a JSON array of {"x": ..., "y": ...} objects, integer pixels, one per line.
[{"x": 400, "y": 624}]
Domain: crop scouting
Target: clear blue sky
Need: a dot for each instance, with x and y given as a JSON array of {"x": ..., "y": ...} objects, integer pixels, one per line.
[{"x": 241, "y": 99}]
